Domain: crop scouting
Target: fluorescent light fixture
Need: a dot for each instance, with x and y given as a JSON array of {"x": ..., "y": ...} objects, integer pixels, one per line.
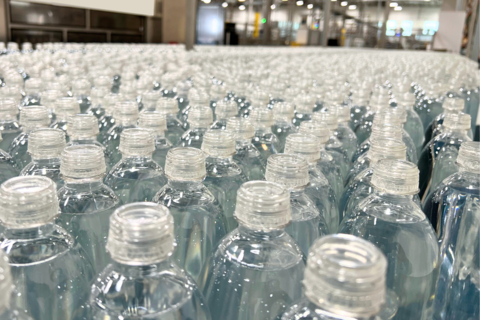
[
  {"x": 300, "y": 3},
  {"x": 398, "y": 8},
  {"x": 310, "y": 6},
  {"x": 273, "y": 7},
  {"x": 241, "y": 0},
  {"x": 393, "y": 4},
  {"x": 224, "y": 4},
  {"x": 242, "y": 7},
  {"x": 207, "y": 1},
  {"x": 143, "y": 7},
  {"x": 352, "y": 7},
  {"x": 344, "y": 3},
  {"x": 334, "y": 0}
]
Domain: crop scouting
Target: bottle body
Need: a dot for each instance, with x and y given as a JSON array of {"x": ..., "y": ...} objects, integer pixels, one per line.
[
  {"x": 348, "y": 138},
  {"x": 33, "y": 255},
  {"x": 18, "y": 151},
  {"x": 399, "y": 228},
  {"x": 266, "y": 143},
  {"x": 331, "y": 171},
  {"x": 162, "y": 145},
  {"x": 157, "y": 292},
  {"x": 44, "y": 167},
  {"x": 244, "y": 280},
  {"x": 415, "y": 130},
  {"x": 364, "y": 127},
  {"x": 428, "y": 109},
  {"x": 356, "y": 115},
  {"x": 192, "y": 138},
  {"x": 250, "y": 160},
  {"x": 10, "y": 130},
  {"x": 112, "y": 143},
  {"x": 175, "y": 129},
  {"x": 339, "y": 154},
  {"x": 282, "y": 129},
  {"x": 199, "y": 223},
  {"x": 136, "y": 179},
  {"x": 454, "y": 209},
  {"x": 7, "y": 167},
  {"x": 85, "y": 211},
  {"x": 105, "y": 123}
]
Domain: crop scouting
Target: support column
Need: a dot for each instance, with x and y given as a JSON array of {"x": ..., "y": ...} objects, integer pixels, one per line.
[
  {"x": 326, "y": 22},
  {"x": 383, "y": 34},
  {"x": 266, "y": 26},
  {"x": 291, "y": 8},
  {"x": 472, "y": 35},
  {"x": 190, "y": 23}
]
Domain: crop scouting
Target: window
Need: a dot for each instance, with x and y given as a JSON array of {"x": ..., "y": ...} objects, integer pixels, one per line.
[
  {"x": 430, "y": 27},
  {"x": 391, "y": 27},
  {"x": 407, "y": 26}
]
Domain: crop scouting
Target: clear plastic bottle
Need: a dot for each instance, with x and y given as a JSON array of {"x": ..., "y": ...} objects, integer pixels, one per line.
[
  {"x": 107, "y": 121},
  {"x": 334, "y": 146},
  {"x": 224, "y": 175},
  {"x": 45, "y": 146},
  {"x": 376, "y": 103},
  {"x": 200, "y": 118},
  {"x": 454, "y": 212},
  {"x": 49, "y": 100},
  {"x": 450, "y": 105},
  {"x": 83, "y": 129},
  {"x": 126, "y": 117},
  {"x": 143, "y": 281},
  {"x": 7, "y": 165},
  {"x": 326, "y": 163},
  {"x": 283, "y": 113},
  {"x": 344, "y": 133},
  {"x": 359, "y": 107},
  {"x": 430, "y": 105},
  {"x": 33, "y": 88},
  {"x": 7, "y": 311},
  {"x": 149, "y": 100},
  {"x": 247, "y": 155},
  {"x": 413, "y": 126},
  {"x": 81, "y": 91},
  {"x": 359, "y": 186},
  {"x": 264, "y": 140},
  {"x": 64, "y": 109},
  {"x": 308, "y": 224},
  {"x": 199, "y": 220},
  {"x": 223, "y": 111},
  {"x": 319, "y": 188},
  {"x": 257, "y": 269},
  {"x": 217, "y": 93},
  {"x": 390, "y": 219},
  {"x": 9, "y": 125},
  {"x": 85, "y": 202},
  {"x": 183, "y": 87},
  {"x": 439, "y": 155},
  {"x": 197, "y": 97},
  {"x": 345, "y": 279},
  {"x": 51, "y": 274},
  {"x": 136, "y": 177},
  {"x": 304, "y": 105},
  {"x": 168, "y": 89},
  {"x": 31, "y": 118},
  {"x": 175, "y": 129},
  {"x": 157, "y": 122},
  {"x": 97, "y": 107}
]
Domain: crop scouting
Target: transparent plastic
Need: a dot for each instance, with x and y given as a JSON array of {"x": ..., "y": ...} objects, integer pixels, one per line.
[
  {"x": 126, "y": 116},
  {"x": 304, "y": 105},
  {"x": 256, "y": 270},
  {"x": 430, "y": 106},
  {"x": 97, "y": 107},
  {"x": 107, "y": 121},
  {"x": 453, "y": 210},
  {"x": 33, "y": 88},
  {"x": 168, "y": 89},
  {"x": 223, "y": 111},
  {"x": 224, "y": 175},
  {"x": 37, "y": 247},
  {"x": 344, "y": 133},
  {"x": 45, "y": 147},
  {"x": 149, "y": 100},
  {"x": 175, "y": 128},
  {"x": 197, "y": 97},
  {"x": 283, "y": 113},
  {"x": 199, "y": 220},
  {"x": 438, "y": 157},
  {"x": 396, "y": 225},
  {"x": 157, "y": 122},
  {"x": 292, "y": 172},
  {"x": 64, "y": 109},
  {"x": 9, "y": 125},
  {"x": 81, "y": 91},
  {"x": 85, "y": 202},
  {"x": 345, "y": 279},
  {"x": 413, "y": 125},
  {"x": 247, "y": 155},
  {"x": 266, "y": 142},
  {"x": 376, "y": 103},
  {"x": 379, "y": 131},
  {"x": 200, "y": 118},
  {"x": 136, "y": 177},
  {"x": 30, "y": 118}
]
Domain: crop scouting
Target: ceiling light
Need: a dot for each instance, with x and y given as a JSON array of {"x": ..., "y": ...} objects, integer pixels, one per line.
[
  {"x": 272, "y": 7},
  {"x": 393, "y": 4},
  {"x": 241, "y": 0},
  {"x": 344, "y": 3},
  {"x": 310, "y": 6},
  {"x": 352, "y": 7},
  {"x": 224, "y": 4},
  {"x": 207, "y": 1},
  {"x": 398, "y": 8},
  {"x": 300, "y": 3},
  {"x": 334, "y": 0},
  {"x": 242, "y": 7}
]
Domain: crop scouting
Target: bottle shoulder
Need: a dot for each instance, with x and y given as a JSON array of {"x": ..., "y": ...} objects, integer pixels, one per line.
[
  {"x": 462, "y": 183},
  {"x": 173, "y": 197},
  {"x": 222, "y": 169},
  {"x": 302, "y": 207},
  {"x": 90, "y": 200},
  {"x": 259, "y": 252},
  {"x": 130, "y": 167}
]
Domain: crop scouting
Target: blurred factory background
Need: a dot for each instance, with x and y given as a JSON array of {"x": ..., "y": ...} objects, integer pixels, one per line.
[{"x": 448, "y": 25}]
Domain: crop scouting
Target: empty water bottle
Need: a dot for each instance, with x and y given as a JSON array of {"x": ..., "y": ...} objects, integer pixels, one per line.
[
  {"x": 283, "y": 113},
  {"x": 81, "y": 91},
  {"x": 175, "y": 128},
  {"x": 199, "y": 220},
  {"x": 168, "y": 89},
  {"x": 136, "y": 177},
  {"x": 149, "y": 100},
  {"x": 107, "y": 121},
  {"x": 308, "y": 224},
  {"x": 142, "y": 281},
  {"x": 450, "y": 106},
  {"x": 7, "y": 165},
  {"x": 157, "y": 122},
  {"x": 453, "y": 210},
  {"x": 247, "y": 155},
  {"x": 345, "y": 279},
  {"x": 224, "y": 175},
  {"x": 33, "y": 88},
  {"x": 304, "y": 105},
  {"x": 264, "y": 140},
  {"x": 51, "y": 273},
  {"x": 31, "y": 118},
  {"x": 9, "y": 125},
  {"x": 413, "y": 126},
  {"x": 390, "y": 219},
  {"x": 256, "y": 270},
  {"x": 85, "y": 202},
  {"x": 97, "y": 107},
  {"x": 343, "y": 132},
  {"x": 200, "y": 119},
  {"x": 64, "y": 109},
  {"x": 223, "y": 111},
  {"x": 430, "y": 105}
]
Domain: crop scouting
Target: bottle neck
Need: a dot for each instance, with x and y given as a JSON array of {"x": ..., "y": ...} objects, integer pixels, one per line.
[
  {"x": 259, "y": 234},
  {"x": 392, "y": 197},
  {"x": 137, "y": 158},
  {"x": 185, "y": 185},
  {"x": 30, "y": 233},
  {"x": 140, "y": 271},
  {"x": 219, "y": 159},
  {"x": 84, "y": 184}
]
